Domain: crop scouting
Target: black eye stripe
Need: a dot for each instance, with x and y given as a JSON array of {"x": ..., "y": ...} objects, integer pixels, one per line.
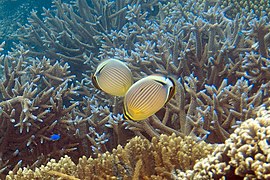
[
  {"x": 160, "y": 82},
  {"x": 99, "y": 71}
]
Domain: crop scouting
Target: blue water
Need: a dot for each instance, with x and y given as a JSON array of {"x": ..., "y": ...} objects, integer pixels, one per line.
[{"x": 17, "y": 11}]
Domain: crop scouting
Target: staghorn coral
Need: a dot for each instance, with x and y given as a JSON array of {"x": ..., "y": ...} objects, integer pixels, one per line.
[
  {"x": 16, "y": 11},
  {"x": 244, "y": 155},
  {"x": 74, "y": 32},
  {"x": 32, "y": 109},
  {"x": 222, "y": 110},
  {"x": 201, "y": 48},
  {"x": 39, "y": 99},
  {"x": 261, "y": 31},
  {"x": 256, "y": 69},
  {"x": 138, "y": 159},
  {"x": 210, "y": 54}
]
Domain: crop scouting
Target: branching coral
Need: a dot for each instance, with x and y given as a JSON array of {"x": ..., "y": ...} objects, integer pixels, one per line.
[
  {"x": 16, "y": 11},
  {"x": 259, "y": 8},
  {"x": 138, "y": 159},
  {"x": 38, "y": 100},
  {"x": 202, "y": 48},
  {"x": 244, "y": 155},
  {"x": 211, "y": 54},
  {"x": 74, "y": 33},
  {"x": 32, "y": 109}
]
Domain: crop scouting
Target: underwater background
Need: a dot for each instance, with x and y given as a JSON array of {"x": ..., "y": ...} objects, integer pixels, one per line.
[{"x": 56, "y": 123}]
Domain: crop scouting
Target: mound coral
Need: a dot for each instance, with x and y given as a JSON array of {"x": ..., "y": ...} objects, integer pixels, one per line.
[{"x": 245, "y": 154}]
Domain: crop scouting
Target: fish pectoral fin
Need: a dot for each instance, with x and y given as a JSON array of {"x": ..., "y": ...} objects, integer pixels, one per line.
[{"x": 138, "y": 112}]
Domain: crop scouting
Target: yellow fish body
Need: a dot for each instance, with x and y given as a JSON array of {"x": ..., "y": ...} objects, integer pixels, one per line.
[
  {"x": 147, "y": 96},
  {"x": 113, "y": 77}
]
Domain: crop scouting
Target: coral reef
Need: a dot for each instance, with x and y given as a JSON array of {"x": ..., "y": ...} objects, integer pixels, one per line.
[
  {"x": 212, "y": 56},
  {"x": 260, "y": 8},
  {"x": 32, "y": 109},
  {"x": 17, "y": 11},
  {"x": 244, "y": 155},
  {"x": 139, "y": 158},
  {"x": 38, "y": 100},
  {"x": 221, "y": 67},
  {"x": 74, "y": 33}
]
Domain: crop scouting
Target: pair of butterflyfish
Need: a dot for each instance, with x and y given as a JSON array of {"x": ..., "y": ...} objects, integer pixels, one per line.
[{"x": 141, "y": 99}]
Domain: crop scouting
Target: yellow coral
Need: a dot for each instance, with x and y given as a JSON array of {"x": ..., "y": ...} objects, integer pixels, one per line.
[
  {"x": 245, "y": 154},
  {"x": 249, "y": 147},
  {"x": 63, "y": 168},
  {"x": 139, "y": 159}
]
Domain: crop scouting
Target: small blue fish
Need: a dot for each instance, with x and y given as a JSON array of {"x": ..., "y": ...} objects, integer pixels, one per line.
[{"x": 55, "y": 137}]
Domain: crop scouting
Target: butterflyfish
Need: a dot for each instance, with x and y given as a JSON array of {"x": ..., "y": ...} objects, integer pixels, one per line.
[
  {"x": 147, "y": 96},
  {"x": 113, "y": 77}
]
